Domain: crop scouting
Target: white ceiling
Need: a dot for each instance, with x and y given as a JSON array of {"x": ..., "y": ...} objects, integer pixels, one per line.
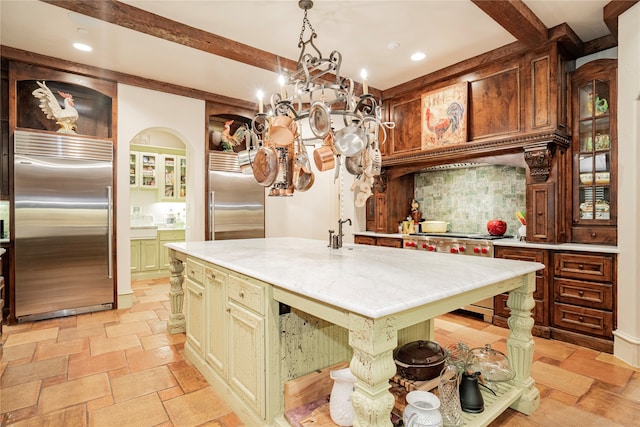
[{"x": 448, "y": 31}]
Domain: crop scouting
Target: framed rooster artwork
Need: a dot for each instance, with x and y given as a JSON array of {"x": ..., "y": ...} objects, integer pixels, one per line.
[{"x": 444, "y": 116}]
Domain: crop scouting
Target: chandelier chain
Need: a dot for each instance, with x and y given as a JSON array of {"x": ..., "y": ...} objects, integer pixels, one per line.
[{"x": 305, "y": 22}]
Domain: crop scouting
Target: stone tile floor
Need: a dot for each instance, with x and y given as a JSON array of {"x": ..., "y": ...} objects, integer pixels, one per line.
[{"x": 121, "y": 368}]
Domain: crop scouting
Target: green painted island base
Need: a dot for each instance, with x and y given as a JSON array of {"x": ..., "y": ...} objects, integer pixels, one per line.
[{"x": 258, "y": 399}]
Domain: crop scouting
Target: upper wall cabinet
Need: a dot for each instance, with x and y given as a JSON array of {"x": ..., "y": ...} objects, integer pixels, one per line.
[
  {"x": 594, "y": 148},
  {"x": 509, "y": 104},
  {"x": 93, "y": 100}
]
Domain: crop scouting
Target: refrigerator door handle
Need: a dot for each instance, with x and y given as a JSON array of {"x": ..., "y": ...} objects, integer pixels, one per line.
[
  {"x": 110, "y": 232},
  {"x": 211, "y": 219}
]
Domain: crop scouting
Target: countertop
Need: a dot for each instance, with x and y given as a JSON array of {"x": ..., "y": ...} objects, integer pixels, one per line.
[
  {"x": 369, "y": 280},
  {"x": 515, "y": 242}
]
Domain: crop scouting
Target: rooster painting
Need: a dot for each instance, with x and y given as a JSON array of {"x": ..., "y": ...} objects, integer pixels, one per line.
[
  {"x": 451, "y": 122},
  {"x": 66, "y": 116}
]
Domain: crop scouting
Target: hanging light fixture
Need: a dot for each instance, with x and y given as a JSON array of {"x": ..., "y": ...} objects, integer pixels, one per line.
[{"x": 320, "y": 105}]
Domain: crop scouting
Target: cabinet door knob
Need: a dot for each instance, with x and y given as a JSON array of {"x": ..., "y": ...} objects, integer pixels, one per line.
[
  {"x": 228, "y": 310},
  {"x": 594, "y": 235},
  {"x": 540, "y": 213},
  {"x": 241, "y": 294},
  {"x": 581, "y": 319},
  {"x": 581, "y": 293},
  {"x": 581, "y": 266}
]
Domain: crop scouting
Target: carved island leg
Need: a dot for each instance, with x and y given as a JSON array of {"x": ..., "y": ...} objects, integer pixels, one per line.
[
  {"x": 520, "y": 344},
  {"x": 373, "y": 342},
  {"x": 176, "y": 322}
]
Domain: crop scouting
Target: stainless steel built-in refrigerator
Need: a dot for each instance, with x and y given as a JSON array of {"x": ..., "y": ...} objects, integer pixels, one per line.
[
  {"x": 236, "y": 200},
  {"x": 63, "y": 225}
]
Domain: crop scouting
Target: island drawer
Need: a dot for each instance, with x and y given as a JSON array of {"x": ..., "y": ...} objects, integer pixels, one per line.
[
  {"x": 250, "y": 295},
  {"x": 582, "y": 319},
  {"x": 586, "y": 294},
  {"x": 195, "y": 270},
  {"x": 586, "y": 267}
]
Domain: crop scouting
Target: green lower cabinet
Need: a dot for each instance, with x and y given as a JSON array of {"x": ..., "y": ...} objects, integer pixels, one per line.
[{"x": 150, "y": 257}]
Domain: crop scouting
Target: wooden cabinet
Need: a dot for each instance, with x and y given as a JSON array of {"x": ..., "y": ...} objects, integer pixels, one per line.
[
  {"x": 4, "y": 129},
  {"x": 167, "y": 236},
  {"x": 144, "y": 255},
  {"x": 389, "y": 204},
  {"x": 173, "y": 170},
  {"x": 195, "y": 306},
  {"x": 584, "y": 293},
  {"x": 2, "y": 299},
  {"x": 594, "y": 148},
  {"x": 226, "y": 317},
  {"x": 391, "y": 242},
  {"x": 541, "y": 294},
  {"x": 143, "y": 169}
]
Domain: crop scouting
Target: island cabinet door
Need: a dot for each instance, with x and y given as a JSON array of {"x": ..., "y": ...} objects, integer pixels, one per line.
[
  {"x": 246, "y": 356},
  {"x": 194, "y": 298},
  {"x": 216, "y": 346}
]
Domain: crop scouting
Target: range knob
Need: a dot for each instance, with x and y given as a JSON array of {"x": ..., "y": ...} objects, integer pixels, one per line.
[
  {"x": 410, "y": 244},
  {"x": 485, "y": 250},
  {"x": 432, "y": 248},
  {"x": 476, "y": 250},
  {"x": 425, "y": 246},
  {"x": 461, "y": 248},
  {"x": 454, "y": 250}
]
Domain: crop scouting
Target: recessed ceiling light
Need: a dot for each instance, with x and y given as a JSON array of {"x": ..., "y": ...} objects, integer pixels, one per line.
[
  {"x": 83, "y": 47},
  {"x": 418, "y": 56},
  {"x": 393, "y": 45}
]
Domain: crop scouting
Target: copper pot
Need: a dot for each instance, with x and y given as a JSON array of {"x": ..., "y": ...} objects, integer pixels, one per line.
[
  {"x": 324, "y": 156},
  {"x": 265, "y": 166},
  {"x": 420, "y": 360}
]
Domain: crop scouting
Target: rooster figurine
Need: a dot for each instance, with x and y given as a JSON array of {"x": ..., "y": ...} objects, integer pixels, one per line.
[
  {"x": 229, "y": 141},
  {"x": 65, "y": 117},
  {"x": 452, "y": 121}
]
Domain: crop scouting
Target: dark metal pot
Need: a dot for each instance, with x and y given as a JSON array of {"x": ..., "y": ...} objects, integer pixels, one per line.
[{"x": 420, "y": 360}]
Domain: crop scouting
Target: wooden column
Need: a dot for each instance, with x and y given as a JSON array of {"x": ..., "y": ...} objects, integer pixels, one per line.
[
  {"x": 176, "y": 322},
  {"x": 520, "y": 343},
  {"x": 372, "y": 364}
]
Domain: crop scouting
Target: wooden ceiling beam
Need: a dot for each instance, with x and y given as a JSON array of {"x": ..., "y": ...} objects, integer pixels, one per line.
[
  {"x": 139, "y": 20},
  {"x": 515, "y": 17},
  {"x": 612, "y": 10}
]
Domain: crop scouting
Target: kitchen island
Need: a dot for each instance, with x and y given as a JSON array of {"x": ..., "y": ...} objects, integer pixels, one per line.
[{"x": 237, "y": 291}]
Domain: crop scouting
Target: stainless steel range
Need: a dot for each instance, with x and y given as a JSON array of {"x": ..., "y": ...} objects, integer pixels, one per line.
[{"x": 471, "y": 244}]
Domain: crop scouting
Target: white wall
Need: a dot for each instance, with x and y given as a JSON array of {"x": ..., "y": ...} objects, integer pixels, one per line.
[
  {"x": 140, "y": 109},
  {"x": 627, "y": 335},
  {"x": 311, "y": 214}
]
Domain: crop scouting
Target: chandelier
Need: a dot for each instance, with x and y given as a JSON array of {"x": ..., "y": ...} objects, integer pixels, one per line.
[{"x": 315, "y": 104}]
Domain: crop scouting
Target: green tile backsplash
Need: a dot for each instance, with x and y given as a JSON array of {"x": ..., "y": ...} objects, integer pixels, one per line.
[{"x": 468, "y": 197}]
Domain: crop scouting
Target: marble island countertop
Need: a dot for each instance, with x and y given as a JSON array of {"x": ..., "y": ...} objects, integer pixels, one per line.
[{"x": 370, "y": 280}]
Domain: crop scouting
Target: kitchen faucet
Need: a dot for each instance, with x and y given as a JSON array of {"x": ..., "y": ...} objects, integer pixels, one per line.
[{"x": 335, "y": 241}]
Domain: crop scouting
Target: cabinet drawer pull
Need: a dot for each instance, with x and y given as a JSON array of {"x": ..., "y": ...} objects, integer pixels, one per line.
[
  {"x": 241, "y": 294},
  {"x": 594, "y": 235},
  {"x": 212, "y": 275},
  {"x": 228, "y": 310},
  {"x": 581, "y": 319},
  {"x": 581, "y": 266},
  {"x": 581, "y": 293},
  {"x": 192, "y": 272}
]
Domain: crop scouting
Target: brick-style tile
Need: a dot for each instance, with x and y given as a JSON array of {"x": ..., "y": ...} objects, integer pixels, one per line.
[
  {"x": 48, "y": 350},
  {"x": 31, "y": 336},
  {"x": 138, "y": 384},
  {"x": 189, "y": 378},
  {"x": 25, "y": 373},
  {"x": 75, "y": 416},
  {"x": 196, "y": 408},
  {"x": 85, "y": 364},
  {"x": 19, "y": 396},
  {"x": 560, "y": 379},
  {"x": 584, "y": 362},
  {"x": 83, "y": 332},
  {"x": 150, "y": 358},
  {"x": 129, "y": 328},
  {"x": 100, "y": 345},
  {"x": 161, "y": 340},
  {"x": 73, "y": 392},
  {"x": 140, "y": 412},
  {"x": 19, "y": 352}
]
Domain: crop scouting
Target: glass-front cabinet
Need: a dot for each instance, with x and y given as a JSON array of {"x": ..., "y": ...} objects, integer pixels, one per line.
[
  {"x": 143, "y": 169},
  {"x": 174, "y": 171},
  {"x": 594, "y": 153}
]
